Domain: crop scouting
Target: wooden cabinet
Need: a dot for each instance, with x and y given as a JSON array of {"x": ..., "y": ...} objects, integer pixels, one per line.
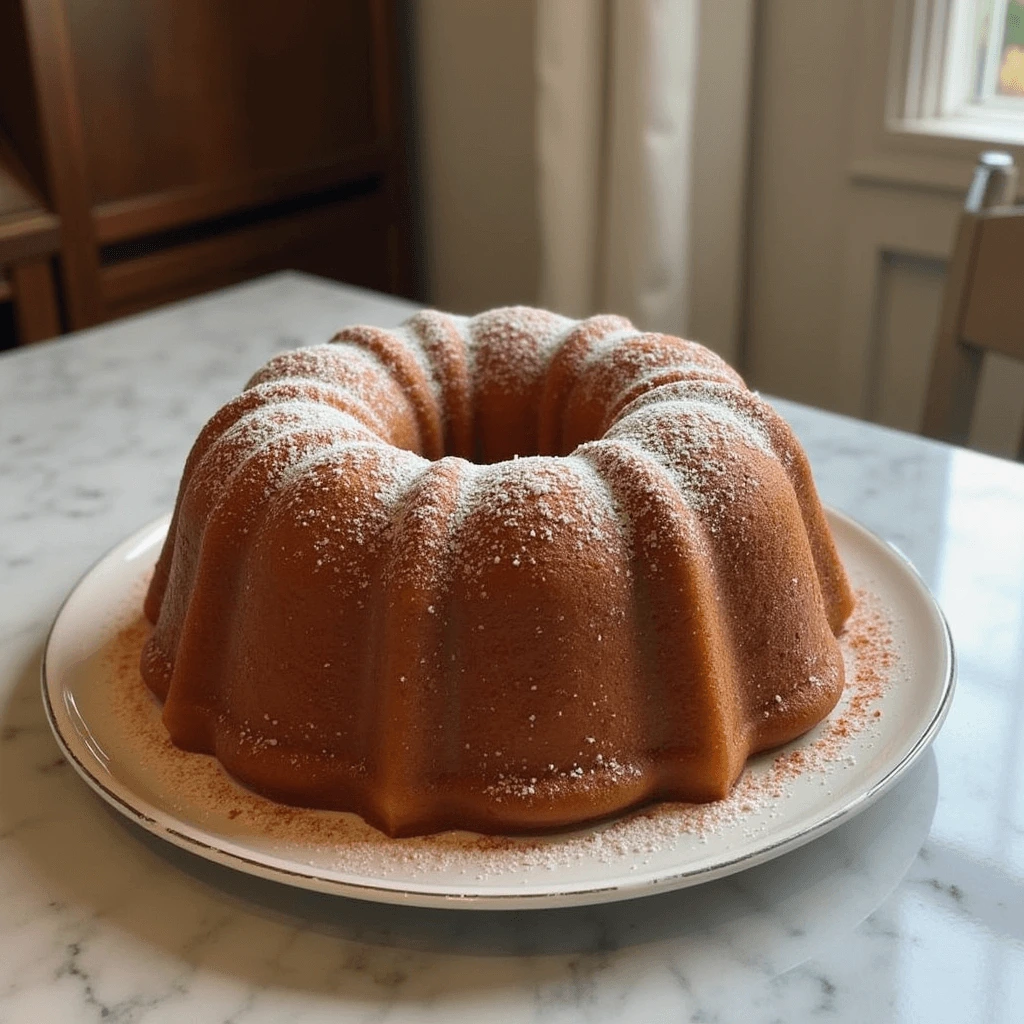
[
  {"x": 29, "y": 238},
  {"x": 186, "y": 144}
]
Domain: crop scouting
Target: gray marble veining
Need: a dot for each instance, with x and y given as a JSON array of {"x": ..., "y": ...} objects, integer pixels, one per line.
[{"x": 913, "y": 911}]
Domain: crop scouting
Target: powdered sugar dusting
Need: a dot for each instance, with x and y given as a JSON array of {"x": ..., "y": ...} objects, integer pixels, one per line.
[
  {"x": 333, "y": 466},
  {"x": 702, "y": 445},
  {"x": 198, "y": 788},
  {"x": 510, "y": 347},
  {"x": 336, "y": 399}
]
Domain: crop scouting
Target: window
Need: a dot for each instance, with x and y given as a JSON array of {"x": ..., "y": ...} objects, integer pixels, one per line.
[
  {"x": 998, "y": 70},
  {"x": 958, "y": 69}
]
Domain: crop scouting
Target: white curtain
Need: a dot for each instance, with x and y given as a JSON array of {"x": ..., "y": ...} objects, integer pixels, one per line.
[{"x": 616, "y": 82}]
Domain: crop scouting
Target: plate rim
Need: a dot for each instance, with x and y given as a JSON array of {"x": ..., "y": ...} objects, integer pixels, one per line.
[{"x": 438, "y": 896}]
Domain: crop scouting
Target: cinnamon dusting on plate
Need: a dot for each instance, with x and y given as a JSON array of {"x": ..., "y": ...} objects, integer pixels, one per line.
[{"x": 196, "y": 786}]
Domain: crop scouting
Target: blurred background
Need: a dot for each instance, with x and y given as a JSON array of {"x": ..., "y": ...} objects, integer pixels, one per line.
[{"x": 781, "y": 180}]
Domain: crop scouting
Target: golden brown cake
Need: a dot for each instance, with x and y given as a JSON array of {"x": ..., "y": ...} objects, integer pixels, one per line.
[{"x": 508, "y": 573}]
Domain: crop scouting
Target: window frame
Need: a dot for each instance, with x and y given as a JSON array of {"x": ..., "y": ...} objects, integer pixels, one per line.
[{"x": 932, "y": 66}]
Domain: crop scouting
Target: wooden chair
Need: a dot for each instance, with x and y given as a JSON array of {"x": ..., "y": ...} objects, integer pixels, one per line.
[
  {"x": 983, "y": 307},
  {"x": 29, "y": 239}
]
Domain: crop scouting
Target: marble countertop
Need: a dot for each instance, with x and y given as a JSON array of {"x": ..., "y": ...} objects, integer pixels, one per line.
[{"x": 913, "y": 911}]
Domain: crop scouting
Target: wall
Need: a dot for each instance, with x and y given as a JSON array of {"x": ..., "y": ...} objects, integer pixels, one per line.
[
  {"x": 800, "y": 115},
  {"x": 719, "y": 177},
  {"x": 851, "y": 225},
  {"x": 473, "y": 64}
]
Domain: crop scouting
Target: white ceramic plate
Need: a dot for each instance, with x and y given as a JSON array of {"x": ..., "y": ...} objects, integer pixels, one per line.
[{"x": 650, "y": 852}]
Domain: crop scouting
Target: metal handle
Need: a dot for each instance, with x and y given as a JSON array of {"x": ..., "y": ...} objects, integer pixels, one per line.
[{"x": 994, "y": 184}]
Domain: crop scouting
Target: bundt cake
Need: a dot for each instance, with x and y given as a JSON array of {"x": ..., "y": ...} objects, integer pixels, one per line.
[{"x": 509, "y": 573}]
